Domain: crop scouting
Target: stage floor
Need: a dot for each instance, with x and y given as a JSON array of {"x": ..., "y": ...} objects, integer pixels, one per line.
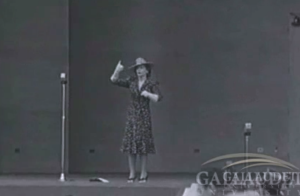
[
  {"x": 42, "y": 185},
  {"x": 45, "y": 185}
]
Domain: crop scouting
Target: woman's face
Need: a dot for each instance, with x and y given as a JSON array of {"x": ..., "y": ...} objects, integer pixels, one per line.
[{"x": 141, "y": 71}]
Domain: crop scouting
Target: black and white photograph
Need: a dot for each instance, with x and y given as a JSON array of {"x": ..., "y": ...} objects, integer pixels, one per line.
[{"x": 150, "y": 98}]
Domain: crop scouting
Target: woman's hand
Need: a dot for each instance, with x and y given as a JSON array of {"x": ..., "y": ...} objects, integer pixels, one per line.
[
  {"x": 145, "y": 94},
  {"x": 151, "y": 96},
  {"x": 119, "y": 67}
]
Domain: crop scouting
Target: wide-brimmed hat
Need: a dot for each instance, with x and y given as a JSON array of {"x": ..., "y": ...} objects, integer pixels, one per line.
[{"x": 140, "y": 61}]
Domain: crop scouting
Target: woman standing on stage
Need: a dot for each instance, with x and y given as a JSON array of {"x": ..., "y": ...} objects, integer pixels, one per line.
[{"x": 138, "y": 139}]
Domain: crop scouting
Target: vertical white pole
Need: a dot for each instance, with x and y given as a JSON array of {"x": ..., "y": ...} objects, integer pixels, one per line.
[{"x": 63, "y": 82}]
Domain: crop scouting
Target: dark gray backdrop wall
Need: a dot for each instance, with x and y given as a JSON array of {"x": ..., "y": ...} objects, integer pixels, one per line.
[
  {"x": 220, "y": 64},
  {"x": 33, "y": 52}
]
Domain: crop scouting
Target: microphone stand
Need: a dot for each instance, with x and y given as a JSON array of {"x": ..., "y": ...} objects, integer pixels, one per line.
[
  {"x": 247, "y": 134},
  {"x": 62, "y": 175},
  {"x": 63, "y": 83}
]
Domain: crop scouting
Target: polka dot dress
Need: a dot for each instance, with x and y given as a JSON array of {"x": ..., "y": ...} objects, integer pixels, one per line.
[{"x": 138, "y": 137}]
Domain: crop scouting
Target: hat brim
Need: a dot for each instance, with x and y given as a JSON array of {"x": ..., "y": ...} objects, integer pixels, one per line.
[{"x": 136, "y": 65}]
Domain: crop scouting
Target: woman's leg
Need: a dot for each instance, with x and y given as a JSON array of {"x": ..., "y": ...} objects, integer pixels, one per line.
[
  {"x": 132, "y": 164},
  {"x": 143, "y": 165}
]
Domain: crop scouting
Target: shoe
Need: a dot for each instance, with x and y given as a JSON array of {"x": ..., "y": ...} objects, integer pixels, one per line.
[
  {"x": 131, "y": 180},
  {"x": 143, "y": 180}
]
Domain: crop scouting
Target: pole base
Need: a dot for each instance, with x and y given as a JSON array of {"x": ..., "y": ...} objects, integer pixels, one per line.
[{"x": 62, "y": 177}]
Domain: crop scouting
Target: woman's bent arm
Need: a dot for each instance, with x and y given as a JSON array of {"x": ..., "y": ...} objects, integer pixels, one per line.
[{"x": 153, "y": 97}]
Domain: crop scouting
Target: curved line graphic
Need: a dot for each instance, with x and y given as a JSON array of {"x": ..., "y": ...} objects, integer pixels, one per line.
[
  {"x": 262, "y": 164},
  {"x": 248, "y": 161},
  {"x": 243, "y": 155}
]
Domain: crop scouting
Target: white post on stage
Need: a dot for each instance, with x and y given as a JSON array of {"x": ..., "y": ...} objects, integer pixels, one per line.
[
  {"x": 247, "y": 133},
  {"x": 63, "y": 125}
]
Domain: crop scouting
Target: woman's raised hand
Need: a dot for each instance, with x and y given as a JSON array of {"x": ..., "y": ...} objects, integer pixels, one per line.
[{"x": 119, "y": 67}]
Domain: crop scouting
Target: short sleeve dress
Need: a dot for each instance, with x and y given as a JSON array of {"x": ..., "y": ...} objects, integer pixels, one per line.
[{"x": 138, "y": 137}]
